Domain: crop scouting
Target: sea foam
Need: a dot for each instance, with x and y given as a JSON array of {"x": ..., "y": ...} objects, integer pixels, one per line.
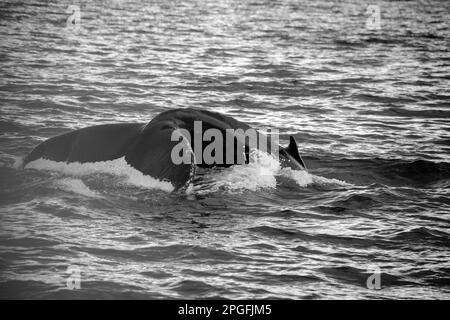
[
  {"x": 259, "y": 173},
  {"x": 18, "y": 163},
  {"x": 77, "y": 186},
  {"x": 117, "y": 167}
]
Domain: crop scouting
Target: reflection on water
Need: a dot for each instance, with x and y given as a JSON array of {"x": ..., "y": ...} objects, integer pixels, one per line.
[{"x": 368, "y": 106}]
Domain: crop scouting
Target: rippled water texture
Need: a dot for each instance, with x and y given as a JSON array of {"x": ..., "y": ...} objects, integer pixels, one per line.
[{"x": 369, "y": 108}]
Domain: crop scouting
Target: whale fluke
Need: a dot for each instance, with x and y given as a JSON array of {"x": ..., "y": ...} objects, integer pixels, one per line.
[
  {"x": 151, "y": 154},
  {"x": 292, "y": 150},
  {"x": 91, "y": 144},
  {"x": 146, "y": 148},
  {"x": 149, "y": 147}
]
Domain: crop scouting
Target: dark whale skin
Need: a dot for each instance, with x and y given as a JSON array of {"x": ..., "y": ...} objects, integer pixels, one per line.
[{"x": 146, "y": 147}]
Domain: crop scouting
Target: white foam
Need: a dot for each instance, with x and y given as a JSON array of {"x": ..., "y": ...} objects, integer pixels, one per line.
[
  {"x": 301, "y": 177},
  {"x": 77, "y": 186},
  {"x": 304, "y": 178},
  {"x": 18, "y": 164},
  {"x": 259, "y": 173},
  {"x": 330, "y": 181},
  {"x": 117, "y": 167}
]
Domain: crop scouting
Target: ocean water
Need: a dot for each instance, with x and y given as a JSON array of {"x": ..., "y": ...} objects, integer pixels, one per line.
[{"x": 369, "y": 107}]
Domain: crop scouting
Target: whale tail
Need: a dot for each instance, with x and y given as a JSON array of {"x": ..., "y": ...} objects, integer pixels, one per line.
[
  {"x": 154, "y": 148},
  {"x": 153, "y": 154},
  {"x": 146, "y": 148},
  {"x": 292, "y": 151}
]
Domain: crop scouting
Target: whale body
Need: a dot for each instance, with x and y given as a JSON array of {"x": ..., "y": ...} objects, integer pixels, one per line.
[{"x": 148, "y": 147}]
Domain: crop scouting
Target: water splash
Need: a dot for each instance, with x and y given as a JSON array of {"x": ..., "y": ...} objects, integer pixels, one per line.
[
  {"x": 330, "y": 182},
  {"x": 77, "y": 186},
  {"x": 301, "y": 178},
  {"x": 18, "y": 163},
  {"x": 259, "y": 173},
  {"x": 117, "y": 167}
]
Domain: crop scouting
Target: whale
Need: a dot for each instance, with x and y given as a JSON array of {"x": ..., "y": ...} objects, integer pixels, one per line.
[{"x": 149, "y": 147}]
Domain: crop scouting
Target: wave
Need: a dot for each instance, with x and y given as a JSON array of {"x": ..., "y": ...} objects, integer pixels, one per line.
[
  {"x": 419, "y": 170},
  {"x": 302, "y": 178},
  {"x": 367, "y": 171},
  {"x": 77, "y": 186},
  {"x": 118, "y": 167},
  {"x": 155, "y": 253},
  {"x": 359, "y": 276},
  {"x": 10, "y": 127},
  {"x": 404, "y": 112},
  {"x": 423, "y": 234},
  {"x": 18, "y": 163},
  {"x": 330, "y": 182},
  {"x": 355, "y": 201},
  {"x": 259, "y": 173},
  {"x": 263, "y": 172}
]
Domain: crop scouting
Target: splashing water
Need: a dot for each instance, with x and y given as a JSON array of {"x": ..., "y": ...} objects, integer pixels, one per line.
[
  {"x": 258, "y": 173},
  {"x": 118, "y": 167},
  {"x": 77, "y": 186},
  {"x": 261, "y": 172},
  {"x": 368, "y": 107}
]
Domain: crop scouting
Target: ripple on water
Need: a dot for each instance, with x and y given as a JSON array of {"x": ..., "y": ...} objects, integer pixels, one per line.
[{"x": 369, "y": 110}]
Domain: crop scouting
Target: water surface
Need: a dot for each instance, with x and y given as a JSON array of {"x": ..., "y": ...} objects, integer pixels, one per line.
[{"x": 369, "y": 108}]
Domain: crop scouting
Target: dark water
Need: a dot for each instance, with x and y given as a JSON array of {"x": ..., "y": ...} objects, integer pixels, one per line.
[{"x": 369, "y": 108}]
